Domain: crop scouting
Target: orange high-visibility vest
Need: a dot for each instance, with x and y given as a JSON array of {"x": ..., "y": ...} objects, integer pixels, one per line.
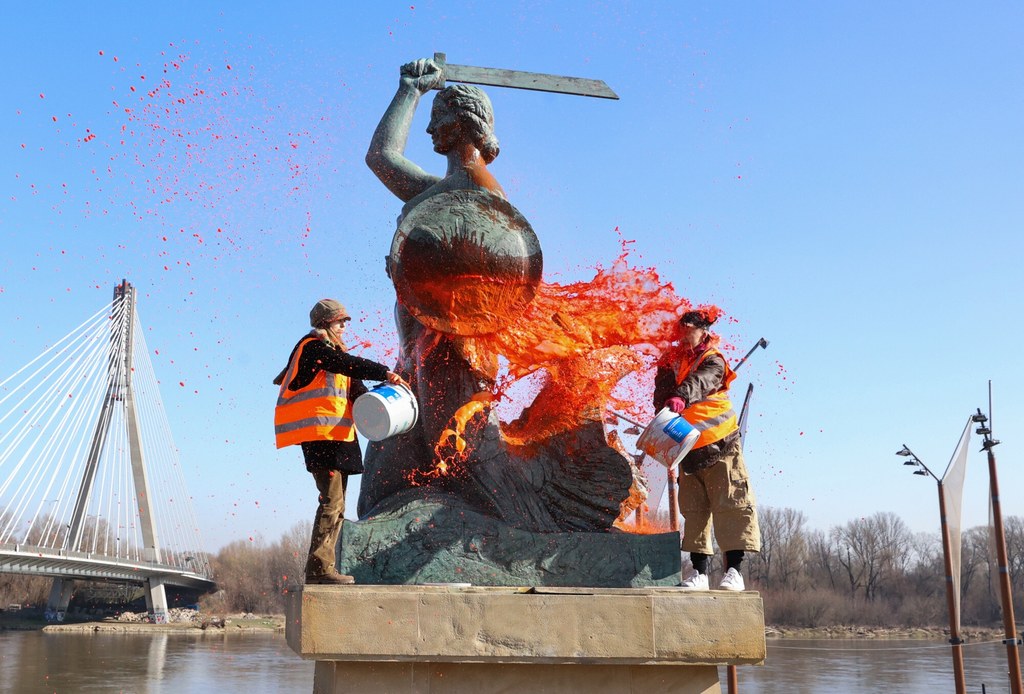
[
  {"x": 713, "y": 417},
  {"x": 321, "y": 411}
]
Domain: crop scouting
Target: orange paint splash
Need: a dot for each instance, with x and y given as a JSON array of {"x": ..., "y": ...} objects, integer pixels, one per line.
[
  {"x": 646, "y": 528},
  {"x": 581, "y": 340},
  {"x": 451, "y": 445},
  {"x": 575, "y": 343}
]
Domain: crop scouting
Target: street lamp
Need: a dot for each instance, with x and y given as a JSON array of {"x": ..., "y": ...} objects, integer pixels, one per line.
[
  {"x": 999, "y": 537},
  {"x": 955, "y": 641},
  {"x": 912, "y": 459}
]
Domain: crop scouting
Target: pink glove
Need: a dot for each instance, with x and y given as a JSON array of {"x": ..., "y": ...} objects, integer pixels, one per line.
[{"x": 677, "y": 405}]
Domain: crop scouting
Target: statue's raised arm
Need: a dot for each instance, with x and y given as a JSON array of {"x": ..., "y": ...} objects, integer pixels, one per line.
[
  {"x": 461, "y": 127},
  {"x": 386, "y": 156}
]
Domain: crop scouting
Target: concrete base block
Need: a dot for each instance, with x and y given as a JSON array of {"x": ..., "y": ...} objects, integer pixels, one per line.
[{"x": 454, "y": 639}]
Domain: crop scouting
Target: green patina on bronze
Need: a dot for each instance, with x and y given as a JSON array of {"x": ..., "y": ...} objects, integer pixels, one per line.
[{"x": 434, "y": 542}]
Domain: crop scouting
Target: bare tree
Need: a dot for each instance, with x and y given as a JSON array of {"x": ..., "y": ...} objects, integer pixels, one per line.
[
  {"x": 1013, "y": 529},
  {"x": 783, "y": 548},
  {"x": 926, "y": 572},
  {"x": 287, "y": 558},
  {"x": 974, "y": 556},
  {"x": 823, "y": 564},
  {"x": 241, "y": 569},
  {"x": 21, "y": 589},
  {"x": 872, "y": 550}
]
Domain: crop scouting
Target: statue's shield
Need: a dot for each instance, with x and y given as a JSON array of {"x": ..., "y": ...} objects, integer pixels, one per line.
[{"x": 465, "y": 262}]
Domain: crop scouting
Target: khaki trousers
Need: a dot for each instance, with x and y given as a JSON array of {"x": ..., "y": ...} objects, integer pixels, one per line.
[
  {"x": 327, "y": 523},
  {"x": 721, "y": 496}
]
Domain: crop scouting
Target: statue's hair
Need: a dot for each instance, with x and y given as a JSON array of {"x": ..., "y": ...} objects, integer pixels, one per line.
[{"x": 473, "y": 108}]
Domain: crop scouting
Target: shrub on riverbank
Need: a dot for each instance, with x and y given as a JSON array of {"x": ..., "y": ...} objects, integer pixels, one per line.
[
  {"x": 16, "y": 589},
  {"x": 253, "y": 576},
  {"x": 874, "y": 572}
]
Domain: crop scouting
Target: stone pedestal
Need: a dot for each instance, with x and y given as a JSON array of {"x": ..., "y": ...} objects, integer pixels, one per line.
[{"x": 425, "y": 639}]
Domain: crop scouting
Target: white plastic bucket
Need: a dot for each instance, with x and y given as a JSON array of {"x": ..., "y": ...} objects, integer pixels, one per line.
[
  {"x": 668, "y": 438},
  {"x": 385, "y": 411}
]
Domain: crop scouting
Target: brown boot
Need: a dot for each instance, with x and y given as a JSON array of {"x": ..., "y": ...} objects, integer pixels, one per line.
[{"x": 331, "y": 578}]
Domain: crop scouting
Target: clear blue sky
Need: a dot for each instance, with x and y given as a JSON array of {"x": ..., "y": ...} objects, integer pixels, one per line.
[{"x": 843, "y": 179}]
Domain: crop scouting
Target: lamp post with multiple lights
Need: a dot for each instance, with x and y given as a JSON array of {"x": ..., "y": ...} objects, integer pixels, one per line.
[
  {"x": 1010, "y": 639},
  {"x": 955, "y": 641}
]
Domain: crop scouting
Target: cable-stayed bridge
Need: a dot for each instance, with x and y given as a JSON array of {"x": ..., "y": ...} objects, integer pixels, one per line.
[{"x": 90, "y": 483}]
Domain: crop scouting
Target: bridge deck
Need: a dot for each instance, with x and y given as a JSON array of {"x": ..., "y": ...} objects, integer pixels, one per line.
[{"x": 44, "y": 561}]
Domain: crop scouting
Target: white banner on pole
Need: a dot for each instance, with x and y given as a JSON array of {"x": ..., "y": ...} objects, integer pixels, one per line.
[{"x": 953, "y": 485}]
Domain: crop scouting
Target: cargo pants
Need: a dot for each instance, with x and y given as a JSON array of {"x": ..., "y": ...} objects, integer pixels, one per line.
[
  {"x": 719, "y": 496},
  {"x": 327, "y": 524}
]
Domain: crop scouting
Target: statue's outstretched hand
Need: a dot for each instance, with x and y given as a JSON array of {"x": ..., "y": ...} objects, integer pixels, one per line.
[{"x": 423, "y": 74}]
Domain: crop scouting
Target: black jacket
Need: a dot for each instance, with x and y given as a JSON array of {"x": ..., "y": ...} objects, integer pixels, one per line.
[
  {"x": 342, "y": 456},
  {"x": 320, "y": 356},
  {"x": 706, "y": 379}
]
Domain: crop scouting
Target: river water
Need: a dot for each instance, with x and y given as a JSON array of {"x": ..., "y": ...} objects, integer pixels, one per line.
[
  {"x": 838, "y": 666},
  {"x": 218, "y": 663},
  {"x": 201, "y": 663}
]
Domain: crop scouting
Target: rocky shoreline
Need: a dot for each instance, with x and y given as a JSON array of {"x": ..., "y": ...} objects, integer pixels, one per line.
[
  {"x": 179, "y": 621},
  {"x": 842, "y": 631}
]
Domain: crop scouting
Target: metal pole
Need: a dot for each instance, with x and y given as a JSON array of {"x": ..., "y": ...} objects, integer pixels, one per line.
[
  {"x": 673, "y": 501},
  {"x": 763, "y": 343},
  {"x": 622, "y": 416},
  {"x": 954, "y": 627},
  {"x": 951, "y": 604},
  {"x": 1005, "y": 591},
  {"x": 730, "y": 674}
]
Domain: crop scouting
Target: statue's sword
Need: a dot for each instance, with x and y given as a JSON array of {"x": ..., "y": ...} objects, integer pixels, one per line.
[{"x": 517, "y": 79}]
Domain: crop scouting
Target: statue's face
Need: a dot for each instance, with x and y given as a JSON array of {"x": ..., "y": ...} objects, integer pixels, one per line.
[{"x": 444, "y": 127}]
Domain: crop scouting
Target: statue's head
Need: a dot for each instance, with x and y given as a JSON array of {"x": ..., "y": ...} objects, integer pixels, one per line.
[{"x": 462, "y": 110}]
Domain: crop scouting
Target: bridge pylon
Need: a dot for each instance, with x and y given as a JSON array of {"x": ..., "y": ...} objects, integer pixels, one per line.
[{"x": 119, "y": 390}]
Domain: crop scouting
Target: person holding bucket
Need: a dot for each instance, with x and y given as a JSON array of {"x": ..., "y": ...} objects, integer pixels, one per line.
[
  {"x": 714, "y": 490},
  {"x": 314, "y": 411}
]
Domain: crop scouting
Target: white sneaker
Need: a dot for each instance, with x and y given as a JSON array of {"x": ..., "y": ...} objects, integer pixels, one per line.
[
  {"x": 732, "y": 580},
  {"x": 695, "y": 581}
]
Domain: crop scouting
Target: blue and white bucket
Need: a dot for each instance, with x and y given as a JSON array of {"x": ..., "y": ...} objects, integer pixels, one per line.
[
  {"x": 385, "y": 411},
  {"x": 668, "y": 438}
]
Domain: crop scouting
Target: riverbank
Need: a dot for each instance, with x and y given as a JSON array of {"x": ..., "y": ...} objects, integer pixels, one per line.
[
  {"x": 192, "y": 621},
  {"x": 179, "y": 621},
  {"x": 841, "y": 631}
]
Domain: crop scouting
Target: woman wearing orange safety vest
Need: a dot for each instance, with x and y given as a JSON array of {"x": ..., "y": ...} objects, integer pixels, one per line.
[
  {"x": 714, "y": 489},
  {"x": 314, "y": 410}
]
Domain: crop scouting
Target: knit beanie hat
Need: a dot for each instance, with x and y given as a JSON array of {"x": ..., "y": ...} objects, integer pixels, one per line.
[{"x": 326, "y": 311}]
